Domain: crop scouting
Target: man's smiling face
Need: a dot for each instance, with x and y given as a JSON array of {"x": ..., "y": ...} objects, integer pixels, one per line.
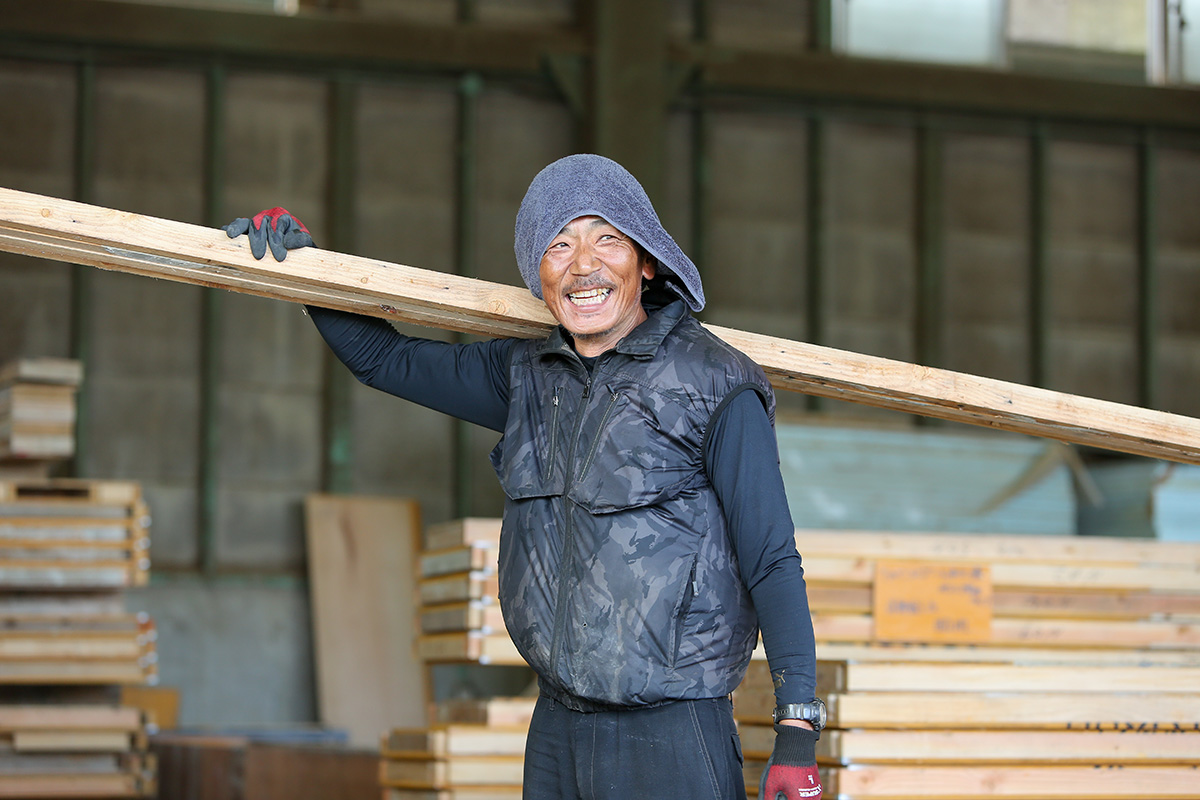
[{"x": 592, "y": 282}]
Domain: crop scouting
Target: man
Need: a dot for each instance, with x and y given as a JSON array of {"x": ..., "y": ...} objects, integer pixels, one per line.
[{"x": 646, "y": 536}]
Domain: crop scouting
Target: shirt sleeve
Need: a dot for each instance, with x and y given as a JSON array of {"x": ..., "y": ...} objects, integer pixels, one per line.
[
  {"x": 742, "y": 460},
  {"x": 464, "y": 380}
]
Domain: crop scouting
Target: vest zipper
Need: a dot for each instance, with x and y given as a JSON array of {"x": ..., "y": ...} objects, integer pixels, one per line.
[
  {"x": 553, "y": 430},
  {"x": 560, "y": 613},
  {"x": 587, "y": 464}
]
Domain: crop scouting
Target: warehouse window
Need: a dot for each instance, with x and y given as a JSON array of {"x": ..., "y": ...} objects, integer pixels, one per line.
[
  {"x": 945, "y": 31},
  {"x": 1183, "y": 29},
  {"x": 1098, "y": 39}
]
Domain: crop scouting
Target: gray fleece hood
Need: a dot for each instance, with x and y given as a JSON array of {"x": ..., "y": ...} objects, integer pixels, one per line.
[{"x": 591, "y": 185}]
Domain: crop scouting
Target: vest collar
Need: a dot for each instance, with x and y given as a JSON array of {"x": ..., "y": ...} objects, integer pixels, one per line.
[{"x": 642, "y": 343}]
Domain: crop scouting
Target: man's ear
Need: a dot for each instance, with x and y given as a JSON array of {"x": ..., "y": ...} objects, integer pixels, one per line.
[{"x": 649, "y": 266}]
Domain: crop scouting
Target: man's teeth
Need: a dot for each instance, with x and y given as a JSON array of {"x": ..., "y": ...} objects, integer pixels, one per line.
[{"x": 589, "y": 297}]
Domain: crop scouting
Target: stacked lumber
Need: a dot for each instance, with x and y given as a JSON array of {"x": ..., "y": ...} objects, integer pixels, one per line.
[
  {"x": 37, "y": 408},
  {"x": 67, "y": 751},
  {"x": 955, "y": 730},
  {"x": 472, "y": 749},
  {"x": 72, "y": 535},
  {"x": 1047, "y": 592},
  {"x": 68, "y": 550},
  {"x": 457, "y": 587},
  {"x": 1084, "y": 684},
  {"x": 457, "y": 761}
]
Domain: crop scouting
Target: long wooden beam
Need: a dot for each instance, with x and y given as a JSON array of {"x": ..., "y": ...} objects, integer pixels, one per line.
[{"x": 63, "y": 230}]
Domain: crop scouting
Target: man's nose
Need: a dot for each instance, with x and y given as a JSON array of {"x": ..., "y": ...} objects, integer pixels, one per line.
[{"x": 586, "y": 260}]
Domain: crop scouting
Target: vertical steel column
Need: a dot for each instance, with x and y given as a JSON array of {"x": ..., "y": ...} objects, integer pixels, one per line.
[
  {"x": 1147, "y": 230},
  {"x": 337, "y": 475},
  {"x": 816, "y": 243},
  {"x": 701, "y": 163},
  {"x": 466, "y": 214},
  {"x": 628, "y": 88},
  {"x": 820, "y": 25},
  {"x": 212, "y": 319},
  {"x": 930, "y": 233},
  {"x": 1039, "y": 299},
  {"x": 82, "y": 277}
]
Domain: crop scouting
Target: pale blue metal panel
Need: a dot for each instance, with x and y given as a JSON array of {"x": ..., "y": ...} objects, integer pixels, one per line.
[{"x": 872, "y": 479}]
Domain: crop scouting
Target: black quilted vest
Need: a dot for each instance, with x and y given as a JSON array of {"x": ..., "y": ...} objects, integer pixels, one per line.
[{"x": 617, "y": 580}]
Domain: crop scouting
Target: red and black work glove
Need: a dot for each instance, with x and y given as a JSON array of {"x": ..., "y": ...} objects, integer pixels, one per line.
[
  {"x": 791, "y": 772},
  {"x": 275, "y": 227}
]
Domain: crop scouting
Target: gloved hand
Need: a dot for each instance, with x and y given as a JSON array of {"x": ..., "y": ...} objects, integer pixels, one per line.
[
  {"x": 275, "y": 227},
  {"x": 791, "y": 772}
]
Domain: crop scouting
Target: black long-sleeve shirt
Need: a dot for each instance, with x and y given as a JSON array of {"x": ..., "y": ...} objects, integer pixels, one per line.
[{"x": 470, "y": 382}]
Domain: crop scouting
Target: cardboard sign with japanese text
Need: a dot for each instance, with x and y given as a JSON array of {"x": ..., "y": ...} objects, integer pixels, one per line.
[{"x": 932, "y": 601}]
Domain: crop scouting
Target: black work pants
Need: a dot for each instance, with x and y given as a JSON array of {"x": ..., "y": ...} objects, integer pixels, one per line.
[{"x": 685, "y": 749}]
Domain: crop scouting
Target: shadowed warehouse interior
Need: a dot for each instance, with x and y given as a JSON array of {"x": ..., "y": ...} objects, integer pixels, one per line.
[{"x": 1024, "y": 211}]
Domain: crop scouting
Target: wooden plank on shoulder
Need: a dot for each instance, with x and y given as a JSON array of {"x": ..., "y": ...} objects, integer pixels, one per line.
[{"x": 63, "y": 230}]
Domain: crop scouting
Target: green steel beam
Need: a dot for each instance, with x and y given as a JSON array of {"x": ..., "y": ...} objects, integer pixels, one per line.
[
  {"x": 465, "y": 223},
  {"x": 323, "y": 40},
  {"x": 930, "y": 234},
  {"x": 212, "y": 326},
  {"x": 627, "y": 118},
  {"x": 701, "y": 165},
  {"x": 83, "y": 278},
  {"x": 820, "y": 25},
  {"x": 338, "y": 433},
  {"x": 1147, "y": 230},
  {"x": 837, "y": 80},
  {"x": 816, "y": 245},
  {"x": 1039, "y": 282}
]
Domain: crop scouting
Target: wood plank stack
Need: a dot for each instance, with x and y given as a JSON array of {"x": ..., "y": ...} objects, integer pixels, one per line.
[
  {"x": 68, "y": 549},
  {"x": 73, "y": 756},
  {"x": 73, "y": 535},
  {"x": 460, "y": 613},
  {"x": 68, "y": 751},
  {"x": 464, "y": 761},
  {"x": 472, "y": 749},
  {"x": 37, "y": 408},
  {"x": 1090, "y": 659},
  {"x": 1087, "y": 685},
  {"x": 1106, "y": 594}
]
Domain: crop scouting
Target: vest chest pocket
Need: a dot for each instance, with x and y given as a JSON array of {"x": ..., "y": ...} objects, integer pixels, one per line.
[
  {"x": 636, "y": 452},
  {"x": 528, "y": 459}
]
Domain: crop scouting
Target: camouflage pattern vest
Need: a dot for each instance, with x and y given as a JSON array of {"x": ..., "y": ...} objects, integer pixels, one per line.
[{"x": 617, "y": 580}]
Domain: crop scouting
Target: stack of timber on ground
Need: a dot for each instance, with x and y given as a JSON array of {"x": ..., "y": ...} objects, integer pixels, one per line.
[
  {"x": 1074, "y": 597},
  {"x": 1087, "y": 685},
  {"x": 67, "y": 750},
  {"x": 459, "y": 611},
  {"x": 37, "y": 414},
  {"x": 68, "y": 550},
  {"x": 479, "y": 760},
  {"x": 1107, "y": 595},
  {"x": 472, "y": 749},
  {"x": 902, "y": 729}
]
